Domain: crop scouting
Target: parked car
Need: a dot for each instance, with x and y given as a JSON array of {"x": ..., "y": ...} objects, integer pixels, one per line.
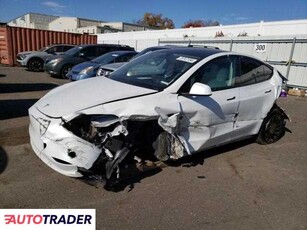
[
  {"x": 60, "y": 65},
  {"x": 34, "y": 60},
  {"x": 89, "y": 69},
  {"x": 107, "y": 69},
  {"x": 168, "y": 104}
]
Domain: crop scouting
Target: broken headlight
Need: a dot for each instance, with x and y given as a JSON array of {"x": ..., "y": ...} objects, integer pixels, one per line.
[{"x": 96, "y": 128}]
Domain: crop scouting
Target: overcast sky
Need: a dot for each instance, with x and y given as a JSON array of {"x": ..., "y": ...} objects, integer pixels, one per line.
[{"x": 225, "y": 11}]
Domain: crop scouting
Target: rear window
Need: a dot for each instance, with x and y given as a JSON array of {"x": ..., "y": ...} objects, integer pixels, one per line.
[{"x": 253, "y": 71}]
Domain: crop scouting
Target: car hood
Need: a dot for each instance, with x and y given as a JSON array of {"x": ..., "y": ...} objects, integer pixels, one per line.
[
  {"x": 76, "y": 96},
  {"x": 83, "y": 65},
  {"x": 32, "y": 52},
  {"x": 112, "y": 66}
]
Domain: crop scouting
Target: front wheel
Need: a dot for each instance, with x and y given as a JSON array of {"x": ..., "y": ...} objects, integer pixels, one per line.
[
  {"x": 36, "y": 65},
  {"x": 272, "y": 128},
  {"x": 65, "y": 70}
]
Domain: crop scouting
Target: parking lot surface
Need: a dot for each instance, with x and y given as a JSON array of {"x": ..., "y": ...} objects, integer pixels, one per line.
[{"x": 239, "y": 186}]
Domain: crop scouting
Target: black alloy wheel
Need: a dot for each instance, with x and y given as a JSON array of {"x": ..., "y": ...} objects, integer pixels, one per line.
[
  {"x": 272, "y": 129},
  {"x": 36, "y": 65},
  {"x": 65, "y": 70}
]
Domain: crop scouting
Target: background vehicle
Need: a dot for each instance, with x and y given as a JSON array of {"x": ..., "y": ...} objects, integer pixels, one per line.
[
  {"x": 89, "y": 69},
  {"x": 106, "y": 70},
  {"x": 61, "y": 65},
  {"x": 34, "y": 60},
  {"x": 170, "y": 103}
]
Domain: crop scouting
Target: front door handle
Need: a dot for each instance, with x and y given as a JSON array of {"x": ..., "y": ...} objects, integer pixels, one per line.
[
  {"x": 230, "y": 99},
  {"x": 268, "y": 91}
]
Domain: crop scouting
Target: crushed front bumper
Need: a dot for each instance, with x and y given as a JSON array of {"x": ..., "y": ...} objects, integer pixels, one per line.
[{"x": 57, "y": 147}]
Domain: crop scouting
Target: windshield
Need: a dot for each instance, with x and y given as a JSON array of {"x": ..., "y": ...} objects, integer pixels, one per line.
[
  {"x": 106, "y": 58},
  {"x": 147, "y": 50},
  {"x": 156, "y": 70},
  {"x": 73, "y": 51}
]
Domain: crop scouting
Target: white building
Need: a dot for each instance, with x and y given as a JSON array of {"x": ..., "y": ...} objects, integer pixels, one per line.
[
  {"x": 73, "y": 24},
  {"x": 33, "y": 21}
]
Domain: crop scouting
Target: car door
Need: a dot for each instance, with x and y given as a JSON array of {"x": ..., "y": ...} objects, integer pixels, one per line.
[
  {"x": 209, "y": 120},
  {"x": 257, "y": 95}
]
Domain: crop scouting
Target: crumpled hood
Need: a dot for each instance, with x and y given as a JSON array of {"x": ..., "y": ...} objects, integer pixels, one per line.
[{"x": 73, "y": 97}]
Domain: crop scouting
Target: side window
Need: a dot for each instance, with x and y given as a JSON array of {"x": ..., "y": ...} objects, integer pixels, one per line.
[
  {"x": 58, "y": 49},
  {"x": 220, "y": 73},
  {"x": 123, "y": 58},
  {"x": 89, "y": 51},
  {"x": 102, "y": 50},
  {"x": 51, "y": 50},
  {"x": 65, "y": 48},
  {"x": 253, "y": 71}
]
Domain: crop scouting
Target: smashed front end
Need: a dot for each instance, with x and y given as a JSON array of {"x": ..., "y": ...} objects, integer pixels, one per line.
[{"x": 96, "y": 147}]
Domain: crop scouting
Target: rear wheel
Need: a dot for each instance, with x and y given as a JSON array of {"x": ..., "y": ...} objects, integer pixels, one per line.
[
  {"x": 273, "y": 128},
  {"x": 65, "y": 70},
  {"x": 36, "y": 65}
]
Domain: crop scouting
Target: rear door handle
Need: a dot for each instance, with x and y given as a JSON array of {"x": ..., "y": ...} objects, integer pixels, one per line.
[
  {"x": 230, "y": 99},
  {"x": 268, "y": 91}
]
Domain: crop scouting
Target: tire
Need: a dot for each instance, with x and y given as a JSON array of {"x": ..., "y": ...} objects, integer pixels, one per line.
[
  {"x": 36, "y": 65},
  {"x": 272, "y": 128},
  {"x": 161, "y": 146},
  {"x": 65, "y": 70}
]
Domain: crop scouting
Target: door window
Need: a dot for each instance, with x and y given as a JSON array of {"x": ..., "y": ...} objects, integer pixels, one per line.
[
  {"x": 89, "y": 51},
  {"x": 65, "y": 48},
  {"x": 220, "y": 73},
  {"x": 253, "y": 71},
  {"x": 124, "y": 58},
  {"x": 102, "y": 50}
]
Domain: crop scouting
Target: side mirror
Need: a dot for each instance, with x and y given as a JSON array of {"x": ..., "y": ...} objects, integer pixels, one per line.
[{"x": 200, "y": 89}]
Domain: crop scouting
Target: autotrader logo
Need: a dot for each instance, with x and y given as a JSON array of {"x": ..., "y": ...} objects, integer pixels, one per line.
[{"x": 59, "y": 219}]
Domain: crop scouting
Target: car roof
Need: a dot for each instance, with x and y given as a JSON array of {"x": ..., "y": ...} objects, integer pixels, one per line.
[
  {"x": 121, "y": 52},
  {"x": 104, "y": 45},
  {"x": 197, "y": 51},
  {"x": 51, "y": 45}
]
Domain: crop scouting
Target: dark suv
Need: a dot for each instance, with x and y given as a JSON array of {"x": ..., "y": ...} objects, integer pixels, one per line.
[{"x": 60, "y": 65}]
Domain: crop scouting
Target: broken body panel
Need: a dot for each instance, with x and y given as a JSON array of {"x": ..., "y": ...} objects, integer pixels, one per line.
[{"x": 111, "y": 119}]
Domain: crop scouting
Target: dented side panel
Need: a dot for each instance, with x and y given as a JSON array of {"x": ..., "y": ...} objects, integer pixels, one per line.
[
  {"x": 208, "y": 120},
  {"x": 255, "y": 102}
]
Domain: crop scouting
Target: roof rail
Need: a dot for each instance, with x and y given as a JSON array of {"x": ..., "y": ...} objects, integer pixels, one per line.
[{"x": 207, "y": 47}]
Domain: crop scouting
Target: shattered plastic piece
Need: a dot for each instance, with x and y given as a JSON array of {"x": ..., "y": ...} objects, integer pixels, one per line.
[{"x": 119, "y": 157}]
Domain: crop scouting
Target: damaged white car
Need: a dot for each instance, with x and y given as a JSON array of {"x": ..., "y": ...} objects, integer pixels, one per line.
[{"x": 167, "y": 104}]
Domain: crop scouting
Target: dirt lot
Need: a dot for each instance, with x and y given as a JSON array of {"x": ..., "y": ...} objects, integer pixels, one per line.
[{"x": 239, "y": 186}]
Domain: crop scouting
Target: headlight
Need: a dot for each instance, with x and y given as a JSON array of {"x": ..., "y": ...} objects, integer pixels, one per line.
[
  {"x": 23, "y": 56},
  {"x": 57, "y": 60},
  {"x": 87, "y": 70}
]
